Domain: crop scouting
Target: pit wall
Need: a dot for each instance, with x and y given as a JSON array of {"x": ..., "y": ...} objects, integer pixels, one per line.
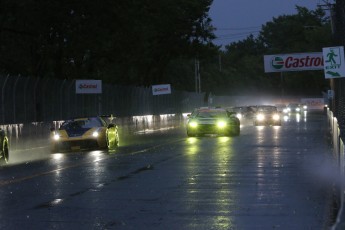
[
  {"x": 339, "y": 156},
  {"x": 36, "y": 134}
]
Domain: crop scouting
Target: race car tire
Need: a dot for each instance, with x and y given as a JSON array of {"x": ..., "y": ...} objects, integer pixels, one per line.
[
  {"x": 4, "y": 152},
  {"x": 237, "y": 131},
  {"x": 117, "y": 139},
  {"x": 115, "y": 143},
  {"x": 54, "y": 149}
]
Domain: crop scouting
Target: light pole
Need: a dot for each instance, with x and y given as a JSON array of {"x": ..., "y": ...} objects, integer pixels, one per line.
[{"x": 197, "y": 76}]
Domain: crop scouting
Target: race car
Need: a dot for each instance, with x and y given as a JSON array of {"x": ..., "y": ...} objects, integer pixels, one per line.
[
  {"x": 267, "y": 115},
  {"x": 295, "y": 108},
  {"x": 4, "y": 156},
  {"x": 85, "y": 133},
  {"x": 212, "y": 121},
  {"x": 241, "y": 111}
]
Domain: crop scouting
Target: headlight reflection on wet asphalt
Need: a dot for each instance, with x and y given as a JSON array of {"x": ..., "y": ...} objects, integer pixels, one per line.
[
  {"x": 218, "y": 172},
  {"x": 268, "y": 171}
]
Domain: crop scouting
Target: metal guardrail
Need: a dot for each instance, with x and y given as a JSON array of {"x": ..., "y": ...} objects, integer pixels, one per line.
[
  {"x": 27, "y": 99},
  {"x": 339, "y": 155}
]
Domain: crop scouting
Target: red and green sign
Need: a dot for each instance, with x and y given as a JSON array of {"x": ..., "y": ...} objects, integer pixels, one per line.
[{"x": 293, "y": 62}]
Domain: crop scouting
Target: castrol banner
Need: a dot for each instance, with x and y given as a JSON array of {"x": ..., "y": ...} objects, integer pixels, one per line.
[
  {"x": 293, "y": 62},
  {"x": 88, "y": 86},
  {"x": 161, "y": 89}
]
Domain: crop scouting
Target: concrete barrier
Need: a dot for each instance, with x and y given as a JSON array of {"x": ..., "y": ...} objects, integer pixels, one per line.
[
  {"x": 339, "y": 154},
  {"x": 33, "y": 135}
]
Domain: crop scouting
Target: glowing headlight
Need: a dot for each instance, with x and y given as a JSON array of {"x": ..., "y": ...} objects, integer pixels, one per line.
[
  {"x": 95, "y": 134},
  {"x": 56, "y": 136},
  {"x": 288, "y": 109},
  {"x": 239, "y": 116},
  {"x": 193, "y": 124},
  {"x": 276, "y": 117},
  {"x": 221, "y": 124},
  {"x": 285, "y": 110},
  {"x": 298, "y": 109},
  {"x": 305, "y": 107},
  {"x": 260, "y": 117}
]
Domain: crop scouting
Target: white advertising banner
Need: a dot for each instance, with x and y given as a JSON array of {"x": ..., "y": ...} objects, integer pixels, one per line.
[
  {"x": 334, "y": 65},
  {"x": 88, "y": 86},
  {"x": 293, "y": 62},
  {"x": 161, "y": 89}
]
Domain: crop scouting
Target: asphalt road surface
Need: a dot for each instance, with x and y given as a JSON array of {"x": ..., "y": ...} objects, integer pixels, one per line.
[{"x": 266, "y": 178}]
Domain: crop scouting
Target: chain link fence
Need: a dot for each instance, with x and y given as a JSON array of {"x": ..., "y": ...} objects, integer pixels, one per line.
[
  {"x": 26, "y": 99},
  {"x": 30, "y": 106}
]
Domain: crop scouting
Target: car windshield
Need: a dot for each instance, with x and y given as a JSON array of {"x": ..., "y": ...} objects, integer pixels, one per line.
[
  {"x": 82, "y": 124},
  {"x": 267, "y": 109},
  {"x": 211, "y": 114},
  {"x": 240, "y": 109},
  {"x": 294, "y": 105}
]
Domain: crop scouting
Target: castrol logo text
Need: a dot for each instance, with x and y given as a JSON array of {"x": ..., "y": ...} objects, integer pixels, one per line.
[{"x": 293, "y": 62}]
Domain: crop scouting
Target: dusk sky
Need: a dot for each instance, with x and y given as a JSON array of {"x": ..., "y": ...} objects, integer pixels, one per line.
[{"x": 236, "y": 19}]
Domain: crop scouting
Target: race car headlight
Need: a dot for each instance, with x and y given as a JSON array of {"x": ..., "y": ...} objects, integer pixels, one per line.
[
  {"x": 95, "y": 134},
  {"x": 285, "y": 110},
  {"x": 221, "y": 124},
  {"x": 239, "y": 116},
  {"x": 260, "y": 117},
  {"x": 56, "y": 136},
  {"x": 193, "y": 124},
  {"x": 305, "y": 107},
  {"x": 298, "y": 109},
  {"x": 276, "y": 117}
]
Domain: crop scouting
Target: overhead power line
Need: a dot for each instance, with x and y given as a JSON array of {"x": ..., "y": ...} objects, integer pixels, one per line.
[
  {"x": 236, "y": 35},
  {"x": 239, "y": 28}
]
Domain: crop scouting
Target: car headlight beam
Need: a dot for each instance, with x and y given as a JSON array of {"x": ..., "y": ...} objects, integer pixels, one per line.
[
  {"x": 193, "y": 124},
  {"x": 260, "y": 117},
  {"x": 56, "y": 136},
  {"x": 239, "y": 116},
  {"x": 276, "y": 117},
  {"x": 221, "y": 124}
]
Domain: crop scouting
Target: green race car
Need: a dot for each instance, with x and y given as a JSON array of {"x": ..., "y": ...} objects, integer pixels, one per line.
[{"x": 212, "y": 121}]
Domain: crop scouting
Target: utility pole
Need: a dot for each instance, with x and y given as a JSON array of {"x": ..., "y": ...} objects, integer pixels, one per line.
[
  {"x": 197, "y": 76},
  {"x": 220, "y": 62},
  {"x": 327, "y": 5}
]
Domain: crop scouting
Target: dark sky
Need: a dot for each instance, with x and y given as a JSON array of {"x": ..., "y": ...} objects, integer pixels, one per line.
[{"x": 236, "y": 19}]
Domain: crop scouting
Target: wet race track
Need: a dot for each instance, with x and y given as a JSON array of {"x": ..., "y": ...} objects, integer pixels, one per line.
[{"x": 266, "y": 178}]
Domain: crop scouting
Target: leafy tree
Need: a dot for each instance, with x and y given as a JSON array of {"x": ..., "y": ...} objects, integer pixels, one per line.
[
  {"x": 306, "y": 31},
  {"x": 124, "y": 41}
]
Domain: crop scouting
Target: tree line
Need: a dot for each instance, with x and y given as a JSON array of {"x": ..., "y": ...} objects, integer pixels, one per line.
[{"x": 146, "y": 42}]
